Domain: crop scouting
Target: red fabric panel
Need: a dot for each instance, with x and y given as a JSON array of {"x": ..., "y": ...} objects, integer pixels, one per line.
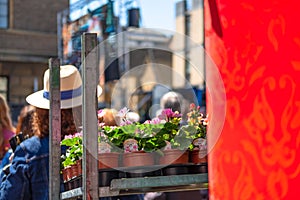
[{"x": 256, "y": 46}]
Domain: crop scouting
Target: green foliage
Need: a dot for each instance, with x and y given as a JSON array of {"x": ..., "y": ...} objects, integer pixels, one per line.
[{"x": 74, "y": 151}]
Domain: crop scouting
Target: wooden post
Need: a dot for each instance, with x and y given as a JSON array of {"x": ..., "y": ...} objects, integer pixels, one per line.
[
  {"x": 89, "y": 117},
  {"x": 54, "y": 130},
  {"x": 60, "y": 16}
]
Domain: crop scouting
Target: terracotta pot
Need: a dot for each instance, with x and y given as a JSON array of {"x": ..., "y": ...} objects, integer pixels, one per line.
[
  {"x": 174, "y": 156},
  {"x": 67, "y": 173},
  {"x": 198, "y": 156},
  {"x": 64, "y": 174},
  {"x": 108, "y": 160},
  {"x": 79, "y": 166},
  {"x": 138, "y": 158},
  {"x": 74, "y": 170}
]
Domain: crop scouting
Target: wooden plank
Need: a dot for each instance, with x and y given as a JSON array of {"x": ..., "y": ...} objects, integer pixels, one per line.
[
  {"x": 89, "y": 121},
  {"x": 54, "y": 130},
  {"x": 158, "y": 181}
]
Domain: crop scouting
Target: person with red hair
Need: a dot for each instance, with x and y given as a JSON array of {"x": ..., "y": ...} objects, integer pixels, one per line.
[{"x": 7, "y": 130}]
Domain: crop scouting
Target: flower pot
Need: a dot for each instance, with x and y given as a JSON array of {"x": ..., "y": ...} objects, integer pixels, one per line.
[
  {"x": 198, "y": 156},
  {"x": 64, "y": 175},
  {"x": 174, "y": 156},
  {"x": 108, "y": 160},
  {"x": 67, "y": 173},
  {"x": 138, "y": 158},
  {"x": 79, "y": 166},
  {"x": 74, "y": 170}
]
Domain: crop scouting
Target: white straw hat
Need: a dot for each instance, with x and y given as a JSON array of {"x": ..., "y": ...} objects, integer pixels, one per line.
[{"x": 70, "y": 87}]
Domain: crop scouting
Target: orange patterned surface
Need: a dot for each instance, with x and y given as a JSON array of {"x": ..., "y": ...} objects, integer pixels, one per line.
[{"x": 257, "y": 50}]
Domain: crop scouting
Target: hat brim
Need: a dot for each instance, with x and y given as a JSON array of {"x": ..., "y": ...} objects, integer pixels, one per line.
[{"x": 36, "y": 99}]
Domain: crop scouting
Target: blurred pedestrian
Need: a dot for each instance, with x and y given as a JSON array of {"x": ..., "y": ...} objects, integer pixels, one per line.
[
  {"x": 23, "y": 131},
  {"x": 176, "y": 102},
  {"x": 25, "y": 120},
  {"x": 7, "y": 130},
  {"x": 173, "y": 100},
  {"x": 29, "y": 172}
]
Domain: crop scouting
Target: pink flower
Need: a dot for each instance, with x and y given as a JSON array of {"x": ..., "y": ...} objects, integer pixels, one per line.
[
  {"x": 176, "y": 114},
  {"x": 155, "y": 120},
  {"x": 78, "y": 134},
  {"x": 168, "y": 114},
  {"x": 192, "y": 106},
  {"x": 68, "y": 136},
  {"x": 147, "y": 122},
  {"x": 126, "y": 122},
  {"x": 101, "y": 124},
  {"x": 122, "y": 113},
  {"x": 100, "y": 113}
]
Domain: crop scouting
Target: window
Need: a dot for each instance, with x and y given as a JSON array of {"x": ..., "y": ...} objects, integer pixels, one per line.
[
  {"x": 3, "y": 13},
  {"x": 4, "y": 86}
]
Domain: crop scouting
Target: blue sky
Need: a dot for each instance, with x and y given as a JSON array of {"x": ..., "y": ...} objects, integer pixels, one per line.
[
  {"x": 154, "y": 13},
  {"x": 158, "y": 14}
]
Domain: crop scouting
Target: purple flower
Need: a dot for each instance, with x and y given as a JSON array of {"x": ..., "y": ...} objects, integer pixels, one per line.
[
  {"x": 176, "y": 114},
  {"x": 168, "y": 114}
]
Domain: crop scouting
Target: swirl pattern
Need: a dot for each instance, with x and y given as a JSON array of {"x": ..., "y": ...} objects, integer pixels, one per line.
[{"x": 258, "y": 153}]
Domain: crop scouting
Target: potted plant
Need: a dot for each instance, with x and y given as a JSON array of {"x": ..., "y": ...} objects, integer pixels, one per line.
[
  {"x": 127, "y": 139},
  {"x": 71, "y": 159},
  {"x": 108, "y": 154},
  {"x": 174, "y": 151},
  {"x": 198, "y": 148},
  {"x": 137, "y": 141}
]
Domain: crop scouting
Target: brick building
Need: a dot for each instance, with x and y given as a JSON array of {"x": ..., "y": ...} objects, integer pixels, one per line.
[{"x": 28, "y": 38}]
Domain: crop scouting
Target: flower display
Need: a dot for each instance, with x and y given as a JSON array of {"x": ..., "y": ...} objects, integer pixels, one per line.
[
  {"x": 74, "y": 151},
  {"x": 164, "y": 132},
  {"x": 197, "y": 120}
]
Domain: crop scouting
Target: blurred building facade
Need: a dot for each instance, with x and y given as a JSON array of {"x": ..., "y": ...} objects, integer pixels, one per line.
[
  {"x": 28, "y": 38},
  {"x": 187, "y": 45},
  {"x": 189, "y": 39}
]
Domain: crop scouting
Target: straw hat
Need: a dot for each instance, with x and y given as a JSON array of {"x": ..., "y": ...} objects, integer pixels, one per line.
[{"x": 70, "y": 87}]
